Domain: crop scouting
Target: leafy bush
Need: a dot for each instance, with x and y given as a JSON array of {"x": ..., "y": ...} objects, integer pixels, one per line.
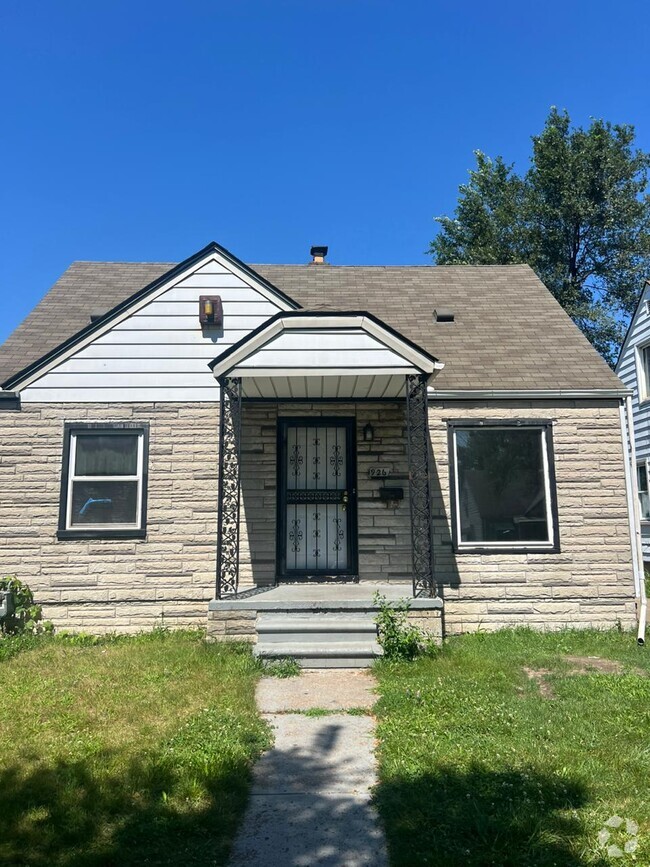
[
  {"x": 398, "y": 638},
  {"x": 26, "y": 616}
]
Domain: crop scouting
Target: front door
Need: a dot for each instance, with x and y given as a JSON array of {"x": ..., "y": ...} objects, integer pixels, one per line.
[{"x": 317, "y": 504}]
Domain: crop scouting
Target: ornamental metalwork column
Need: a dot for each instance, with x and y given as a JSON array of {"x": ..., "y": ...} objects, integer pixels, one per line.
[
  {"x": 229, "y": 487},
  {"x": 417, "y": 427}
]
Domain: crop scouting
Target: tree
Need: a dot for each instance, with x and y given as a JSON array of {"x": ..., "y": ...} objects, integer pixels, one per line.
[{"x": 580, "y": 217}]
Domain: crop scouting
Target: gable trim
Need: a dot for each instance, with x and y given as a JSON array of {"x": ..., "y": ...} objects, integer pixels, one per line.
[
  {"x": 315, "y": 321},
  {"x": 212, "y": 252},
  {"x": 628, "y": 333}
]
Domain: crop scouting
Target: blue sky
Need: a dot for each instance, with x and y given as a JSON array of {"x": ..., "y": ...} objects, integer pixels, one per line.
[{"x": 141, "y": 130}]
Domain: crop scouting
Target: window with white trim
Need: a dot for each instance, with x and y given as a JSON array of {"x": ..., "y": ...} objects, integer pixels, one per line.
[
  {"x": 503, "y": 486},
  {"x": 644, "y": 372},
  {"x": 642, "y": 484},
  {"x": 103, "y": 490}
]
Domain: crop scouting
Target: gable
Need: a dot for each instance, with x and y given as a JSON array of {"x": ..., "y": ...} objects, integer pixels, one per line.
[
  {"x": 305, "y": 354},
  {"x": 156, "y": 350},
  {"x": 628, "y": 365}
]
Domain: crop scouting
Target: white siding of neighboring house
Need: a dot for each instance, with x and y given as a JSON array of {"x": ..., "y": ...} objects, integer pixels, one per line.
[
  {"x": 159, "y": 352},
  {"x": 629, "y": 370}
]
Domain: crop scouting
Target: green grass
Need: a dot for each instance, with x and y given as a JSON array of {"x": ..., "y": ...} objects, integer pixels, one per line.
[
  {"x": 125, "y": 751},
  {"x": 477, "y": 767}
]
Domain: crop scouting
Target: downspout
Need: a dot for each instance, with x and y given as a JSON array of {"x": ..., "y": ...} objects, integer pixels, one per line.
[{"x": 627, "y": 432}]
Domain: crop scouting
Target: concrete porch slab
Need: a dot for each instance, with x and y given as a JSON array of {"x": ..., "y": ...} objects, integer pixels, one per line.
[{"x": 322, "y": 597}]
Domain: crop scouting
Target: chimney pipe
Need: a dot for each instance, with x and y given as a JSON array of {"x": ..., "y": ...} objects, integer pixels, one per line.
[{"x": 318, "y": 255}]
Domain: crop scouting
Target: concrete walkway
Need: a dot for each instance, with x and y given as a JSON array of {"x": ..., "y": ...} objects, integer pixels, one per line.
[{"x": 310, "y": 803}]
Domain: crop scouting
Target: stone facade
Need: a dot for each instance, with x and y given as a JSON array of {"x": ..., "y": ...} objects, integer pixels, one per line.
[
  {"x": 168, "y": 578},
  {"x": 590, "y": 582},
  {"x": 114, "y": 585}
]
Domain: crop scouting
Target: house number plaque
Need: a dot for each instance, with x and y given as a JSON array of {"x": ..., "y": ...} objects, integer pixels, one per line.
[{"x": 380, "y": 471}]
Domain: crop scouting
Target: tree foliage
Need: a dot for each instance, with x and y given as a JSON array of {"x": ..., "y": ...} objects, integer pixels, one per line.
[{"x": 580, "y": 217}]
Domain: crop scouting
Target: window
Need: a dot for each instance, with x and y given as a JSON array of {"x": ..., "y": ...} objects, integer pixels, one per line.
[
  {"x": 103, "y": 486},
  {"x": 644, "y": 372},
  {"x": 503, "y": 486},
  {"x": 642, "y": 482}
]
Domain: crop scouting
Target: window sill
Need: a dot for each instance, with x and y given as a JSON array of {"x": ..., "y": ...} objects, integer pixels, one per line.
[
  {"x": 514, "y": 549},
  {"x": 101, "y": 534}
]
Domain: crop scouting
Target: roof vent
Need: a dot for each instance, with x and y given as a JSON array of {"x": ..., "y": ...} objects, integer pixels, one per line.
[
  {"x": 97, "y": 314},
  {"x": 318, "y": 255},
  {"x": 441, "y": 314}
]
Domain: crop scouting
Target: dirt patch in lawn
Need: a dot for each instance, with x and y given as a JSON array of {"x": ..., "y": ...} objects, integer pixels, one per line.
[
  {"x": 579, "y": 665},
  {"x": 591, "y": 664},
  {"x": 539, "y": 676}
]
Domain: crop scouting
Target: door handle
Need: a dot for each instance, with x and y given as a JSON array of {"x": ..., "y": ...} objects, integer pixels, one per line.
[{"x": 344, "y": 500}]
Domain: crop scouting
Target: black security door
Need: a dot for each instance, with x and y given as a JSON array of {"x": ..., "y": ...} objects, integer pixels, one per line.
[{"x": 317, "y": 532}]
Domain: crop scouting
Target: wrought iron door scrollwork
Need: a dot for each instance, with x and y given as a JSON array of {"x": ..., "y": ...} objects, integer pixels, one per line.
[
  {"x": 229, "y": 487},
  {"x": 417, "y": 426}
]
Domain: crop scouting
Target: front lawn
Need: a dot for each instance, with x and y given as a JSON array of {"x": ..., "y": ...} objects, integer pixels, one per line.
[
  {"x": 128, "y": 751},
  {"x": 516, "y": 749}
]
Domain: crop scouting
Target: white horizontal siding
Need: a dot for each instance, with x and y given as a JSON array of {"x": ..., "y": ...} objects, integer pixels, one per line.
[
  {"x": 160, "y": 352},
  {"x": 627, "y": 370},
  {"x": 307, "y": 350}
]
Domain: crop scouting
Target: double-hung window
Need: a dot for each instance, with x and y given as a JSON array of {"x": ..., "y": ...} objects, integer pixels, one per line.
[
  {"x": 643, "y": 372},
  {"x": 503, "y": 486},
  {"x": 642, "y": 483},
  {"x": 103, "y": 487}
]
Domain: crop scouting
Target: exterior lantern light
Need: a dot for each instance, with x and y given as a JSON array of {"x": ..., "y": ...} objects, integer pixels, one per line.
[
  {"x": 368, "y": 433},
  {"x": 210, "y": 311}
]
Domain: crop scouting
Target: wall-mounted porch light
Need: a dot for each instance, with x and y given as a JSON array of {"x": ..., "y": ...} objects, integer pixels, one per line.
[
  {"x": 368, "y": 433},
  {"x": 210, "y": 311}
]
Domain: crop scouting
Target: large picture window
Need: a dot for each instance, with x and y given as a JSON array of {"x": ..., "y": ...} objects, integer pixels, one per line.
[
  {"x": 503, "y": 486},
  {"x": 103, "y": 488}
]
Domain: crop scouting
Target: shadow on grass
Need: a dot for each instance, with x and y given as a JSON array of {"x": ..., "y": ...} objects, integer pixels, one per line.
[
  {"x": 85, "y": 813},
  {"x": 483, "y": 817}
]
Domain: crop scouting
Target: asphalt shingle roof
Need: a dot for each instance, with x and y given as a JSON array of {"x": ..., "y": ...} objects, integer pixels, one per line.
[{"x": 508, "y": 333}]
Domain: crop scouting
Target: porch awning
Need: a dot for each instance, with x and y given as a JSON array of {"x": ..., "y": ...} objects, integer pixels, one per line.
[{"x": 324, "y": 354}]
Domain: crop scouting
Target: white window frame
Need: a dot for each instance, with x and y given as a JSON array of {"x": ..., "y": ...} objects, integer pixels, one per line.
[
  {"x": 643, "y": 371},
  {"x": 550, "y": 545},
  {"x": 643, "y": 463},
  {"x": 68, "y": 529}
]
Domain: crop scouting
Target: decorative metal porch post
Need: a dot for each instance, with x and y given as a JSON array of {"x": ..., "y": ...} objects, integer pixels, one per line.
[
  {"x": 229, "y": 486},
  {"x": 417, "y": 427}
]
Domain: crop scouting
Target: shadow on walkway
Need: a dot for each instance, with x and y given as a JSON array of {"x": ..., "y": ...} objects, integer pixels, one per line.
[{"x": 311, "y": 801}]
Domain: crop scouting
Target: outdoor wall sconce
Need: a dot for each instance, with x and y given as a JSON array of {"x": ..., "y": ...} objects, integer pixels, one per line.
[
  {"x": 368, "y": 433},
  {"x": 210, "y": 311}
]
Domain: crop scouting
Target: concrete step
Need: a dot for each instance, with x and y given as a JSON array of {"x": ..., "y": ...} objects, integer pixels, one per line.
[
  {"x": 351, "y": 654},
  {"x": 318, "y": 639},
  {"x": 315, "y": 627}
]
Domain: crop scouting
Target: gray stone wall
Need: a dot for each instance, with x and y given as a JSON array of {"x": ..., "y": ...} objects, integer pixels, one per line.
[
  {"x": 590, "y": 583},
  {"x": 106, "y": 585},
  {"x": 168, "y": 578}
]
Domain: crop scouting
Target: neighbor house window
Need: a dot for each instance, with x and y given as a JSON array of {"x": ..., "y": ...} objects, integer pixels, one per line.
[
  {"x": 642, "y": 482},
  {"x": 503, "y": 486},
  {"x": 644, "y": 372},
  {"x": 103, "y": 489}
]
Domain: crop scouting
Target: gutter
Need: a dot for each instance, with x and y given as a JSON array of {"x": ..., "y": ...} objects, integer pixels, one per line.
[
  {"x": 530, "y": 394},
  {"x": 636, "y": 527}
]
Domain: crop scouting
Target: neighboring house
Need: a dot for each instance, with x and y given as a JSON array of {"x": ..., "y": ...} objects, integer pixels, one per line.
[
  {"x": 444, "y": 433},
  {"x": 633, "y": 367}
]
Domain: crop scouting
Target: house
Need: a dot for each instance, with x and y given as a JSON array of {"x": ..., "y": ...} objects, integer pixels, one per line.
[
  {"x": 633, "y": 368},
  {"x": 264, "y": 446}
]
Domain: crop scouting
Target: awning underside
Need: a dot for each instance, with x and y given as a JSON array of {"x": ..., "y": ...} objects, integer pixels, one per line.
[
  {"x": 353, "y": 386},
  {"x": 343, "y": 356}
]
